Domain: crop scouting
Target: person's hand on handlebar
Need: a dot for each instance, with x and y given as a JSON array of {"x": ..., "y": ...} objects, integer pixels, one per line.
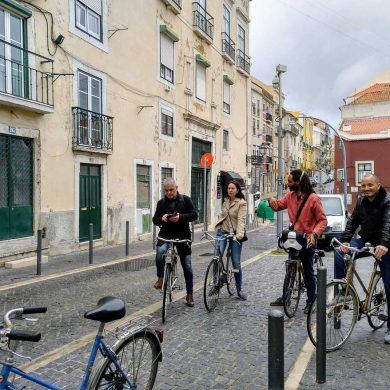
[
  {"x": 273, "y": 203},
  {"x": 239, "y": 236},
  {"x": 343, "y": 248},
  {"x": 380, "y": 251}
]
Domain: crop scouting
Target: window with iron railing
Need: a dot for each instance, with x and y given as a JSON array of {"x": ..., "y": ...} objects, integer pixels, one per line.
[
  {"x": 202, "y": 19},
  {"x": 228, "y": 46},
  {"x": 243, "y": 61},
  {"x": 226, "y": 97}
]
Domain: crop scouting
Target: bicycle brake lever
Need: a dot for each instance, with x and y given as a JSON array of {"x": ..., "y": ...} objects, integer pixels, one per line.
[
  {"x": 31, "y": 319},
  {"x": 19, "y": 355}
]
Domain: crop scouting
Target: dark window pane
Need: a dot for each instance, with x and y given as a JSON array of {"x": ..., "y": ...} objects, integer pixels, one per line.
[{"x": 3, "y": 172}]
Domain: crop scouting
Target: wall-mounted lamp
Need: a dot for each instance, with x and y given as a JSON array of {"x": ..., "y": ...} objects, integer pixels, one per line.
[{"x": 60, "y": 38}]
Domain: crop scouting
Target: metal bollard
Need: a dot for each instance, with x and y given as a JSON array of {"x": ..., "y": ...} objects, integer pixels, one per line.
[
  {"x": 91, "y": 243},
  {"x": 127, "y": 238},
  {"x": 321, "y": 326},
  {"x": 39, "y": 252},
  {"x": 154, "y": 237},
  {"x": 275, "y": 350}
]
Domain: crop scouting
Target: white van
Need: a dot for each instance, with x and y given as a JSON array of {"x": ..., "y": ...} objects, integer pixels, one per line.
[{"x": 337, "y": 217}]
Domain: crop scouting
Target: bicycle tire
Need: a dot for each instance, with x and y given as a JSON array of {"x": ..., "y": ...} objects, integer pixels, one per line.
[
  {"x": 212, "y": 285},
  {"x": 337, "y": 313},
  {"x": 291, "y": 290},
  {"x": 166, "y": 291},
  {"x": 377, "y": 297},
  {"x": 230, "y": 277},
  {"x": 106, "y": 373}
]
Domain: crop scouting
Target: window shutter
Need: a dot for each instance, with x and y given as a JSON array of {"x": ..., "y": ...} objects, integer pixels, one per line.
[
  {"x": 201, "y": 81},
  {"x": 226, "y": 92},
  {"x": 166, "y": 51},
  {"x": 94, "y": 5}
]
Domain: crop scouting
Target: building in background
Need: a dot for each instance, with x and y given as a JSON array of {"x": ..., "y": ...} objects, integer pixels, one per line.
[{"x": 94, "y": 116}]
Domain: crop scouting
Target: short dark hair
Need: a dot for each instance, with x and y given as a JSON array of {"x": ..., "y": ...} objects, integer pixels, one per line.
[
  {"x": 303, "y": 179},
  {"x": 238, "y": 186}
]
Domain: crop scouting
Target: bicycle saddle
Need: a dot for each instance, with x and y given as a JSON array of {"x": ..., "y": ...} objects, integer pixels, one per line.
[
  {"x": 109, "y": 309},
  {"x": 293, "y": 240}
]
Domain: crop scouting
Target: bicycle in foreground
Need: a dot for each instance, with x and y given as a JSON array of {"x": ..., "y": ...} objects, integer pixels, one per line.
[
  {"x": 130, "y": 363},
  {"x": 292, "y": 242},
  {"x": 343, "y": 305},
  {"x": 170, "y": 272},
  {"x": 218, "y": 273}
]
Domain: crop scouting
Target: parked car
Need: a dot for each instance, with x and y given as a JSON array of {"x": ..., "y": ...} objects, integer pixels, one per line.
[{"x": 337, "y": 217}]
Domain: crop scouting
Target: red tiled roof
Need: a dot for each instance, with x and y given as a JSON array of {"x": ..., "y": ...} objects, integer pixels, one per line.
[
  {"x": 367, "y": 126},
  {"x": 375, "y": 93}
]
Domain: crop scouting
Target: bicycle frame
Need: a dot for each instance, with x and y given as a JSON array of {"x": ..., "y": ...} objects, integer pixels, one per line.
[
  {"x": 98, "y": 345},
  {"x": 171, "y": 258},
  {"x": 351, "y": 272}
]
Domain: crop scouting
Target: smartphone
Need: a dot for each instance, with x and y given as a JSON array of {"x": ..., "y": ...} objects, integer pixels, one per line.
[{"x": 171, "y": 215}]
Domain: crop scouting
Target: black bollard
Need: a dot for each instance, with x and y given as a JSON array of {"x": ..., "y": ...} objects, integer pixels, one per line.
[
  {"x": 275, "y": 350},
  {"x": 321, "y": 326},
  {"x": 91, "y": 243},
  {"x": 127, "y": 238},
  {"x": 39, "y": 252}
]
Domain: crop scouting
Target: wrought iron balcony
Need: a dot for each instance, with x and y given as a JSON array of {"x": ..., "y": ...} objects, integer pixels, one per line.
[
  {"x": 268, "y": 159},
  {"x": 243, "y": 62},
  {"x": 92, "y": 131},
  {"x": 228, "y": 48},
  {"x": 268, "y": 116},
  {"x": 203, "y": 22},
  {"x": 268, "y": 138},
  {"x": 26, "y": 78},
  {"x": 294, "y": 130},
  {"x": 256, "y": 159},
  {"x": 174, "y": 5}
]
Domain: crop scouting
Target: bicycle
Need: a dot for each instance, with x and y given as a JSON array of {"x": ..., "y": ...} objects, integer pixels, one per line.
[
  {"x": 130, "y": 363},
  {"x": 292, "y": 243},
  {"x": 218, "y": 274},
  {"x": 170, "y": 272},
  {"x": 343, "y": 305}
]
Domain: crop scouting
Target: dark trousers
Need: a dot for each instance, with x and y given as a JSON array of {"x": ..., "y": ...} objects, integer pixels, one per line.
[
  {"x": 384, "y": 265},
  {"x": 307, "y": 258}
]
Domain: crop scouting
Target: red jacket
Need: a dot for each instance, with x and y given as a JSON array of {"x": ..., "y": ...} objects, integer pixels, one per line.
[{"x": 312, "y": 218}]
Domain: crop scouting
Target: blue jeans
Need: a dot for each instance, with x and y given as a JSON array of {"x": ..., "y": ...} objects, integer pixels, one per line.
[
  {"x": 307, "y": 258},
  {"x": 236, "y": 249},
  {"x": 185, "y": 263},
  {"x": 384, "y": 266}
]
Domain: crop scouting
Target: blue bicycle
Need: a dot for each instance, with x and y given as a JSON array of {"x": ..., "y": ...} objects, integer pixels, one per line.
[{"x": 131, "y": 362}]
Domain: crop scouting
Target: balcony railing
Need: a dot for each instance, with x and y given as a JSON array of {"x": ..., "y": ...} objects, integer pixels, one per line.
[
  {"x": 268, "y": 160},
  {"x": 256, "y": 159},
  {"x": 203, "y": 20},
  {"x": 268, "y": 116},
  {"x": 25, "y": 75},
  {"x": 243, "y": 61},
  {"x": 228, "y": 47},
  {"x": 92, "y": 130},
  {"x": 268, "y": 138},
  {"x": 294, "y": 130}
]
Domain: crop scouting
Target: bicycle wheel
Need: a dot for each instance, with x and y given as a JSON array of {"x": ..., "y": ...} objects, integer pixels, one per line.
[
  {"x": 377, "y": 304},
  {"x": 291, "y": 289},
  {"x": 341, "y": 315},
  {"x": 212, "y": 285},
  {"x": 138, "y": 356},
  {"x": 231, "y": 278},
  {"x": 167, "y": 293}
]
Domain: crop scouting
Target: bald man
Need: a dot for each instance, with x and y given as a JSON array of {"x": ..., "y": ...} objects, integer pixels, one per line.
[{"x": 372, "y": 215}]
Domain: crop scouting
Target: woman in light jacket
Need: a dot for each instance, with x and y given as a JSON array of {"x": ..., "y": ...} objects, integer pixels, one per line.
[{"x": 232, "y": 220}]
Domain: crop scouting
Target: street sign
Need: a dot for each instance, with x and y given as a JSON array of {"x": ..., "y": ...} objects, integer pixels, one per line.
[{"x": 206, "y": 160}]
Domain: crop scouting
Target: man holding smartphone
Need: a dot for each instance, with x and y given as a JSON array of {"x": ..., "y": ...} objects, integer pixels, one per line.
[{"x": 173, "y": 214}]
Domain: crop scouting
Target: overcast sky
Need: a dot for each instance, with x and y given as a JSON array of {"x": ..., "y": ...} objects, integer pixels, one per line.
[{"x": 330, "y": 47}]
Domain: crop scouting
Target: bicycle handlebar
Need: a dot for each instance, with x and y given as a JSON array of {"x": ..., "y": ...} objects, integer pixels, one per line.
[
  {"x": 174, "y": 241},
  {"x": 335, "y": 243},
  {"x": 20, "y": 311}
]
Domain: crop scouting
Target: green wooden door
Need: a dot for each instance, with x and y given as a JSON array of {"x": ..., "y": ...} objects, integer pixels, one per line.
[
  {"x": 90, "y": 201},
  {"x": 16, "y": 187}
]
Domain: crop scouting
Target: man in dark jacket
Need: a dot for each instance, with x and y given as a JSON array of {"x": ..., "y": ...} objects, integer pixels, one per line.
[
  {"x": 173, "y": 214},
  {"x": 372, "y": 214}
]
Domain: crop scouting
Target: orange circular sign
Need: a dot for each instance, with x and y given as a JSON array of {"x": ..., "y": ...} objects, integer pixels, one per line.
[{"x": 206, "y": 160}]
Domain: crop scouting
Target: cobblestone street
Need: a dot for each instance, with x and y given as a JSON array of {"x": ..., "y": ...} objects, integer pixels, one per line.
[{"x": 223, "y": 349}]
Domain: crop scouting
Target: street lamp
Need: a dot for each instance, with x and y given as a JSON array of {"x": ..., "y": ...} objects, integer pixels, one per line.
[{"x": 277, "y": 84}]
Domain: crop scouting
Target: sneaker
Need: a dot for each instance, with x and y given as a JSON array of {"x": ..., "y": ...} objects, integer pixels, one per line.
[
  {"x": 307, "y": 308},
  {"x": 190, "y": 300},
  {"x": 387, "y": 336},
  {"x": 277, "y": 302},
  {"x": 241, "y": 295}
]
